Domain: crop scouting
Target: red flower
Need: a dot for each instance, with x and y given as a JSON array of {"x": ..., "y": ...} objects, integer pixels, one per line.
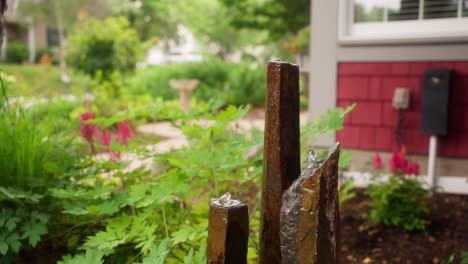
[
  {"x": 412, "y": 168},
  {"x": 124, "y": 132},
  {"x": 105, "y": 138},
  {"x": 88, "y": 130},
  {"x": 377, "y": 161},
  {"x": 398, "y": 161},
  {"x": 106, "y": 141}
]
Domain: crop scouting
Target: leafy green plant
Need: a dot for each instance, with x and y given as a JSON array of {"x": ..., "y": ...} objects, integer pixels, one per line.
[
  {"x": 16, "y": 52},
  {"x": 346, "y": 192},
  {"x": 464, "y": 257},
  {"x": 29, "y": 158},
  {"x": 326, "y": 124},
  {"x": 20, "y": 227},
  {"x": 237, "y": 84},
  {"x": 89, "y": 257},
  {"x": 399, "y": 202},
  {"x": 21, "y": 223},
  {"x": 104, "y": 46},
  {"x": 31, "y": 161}
]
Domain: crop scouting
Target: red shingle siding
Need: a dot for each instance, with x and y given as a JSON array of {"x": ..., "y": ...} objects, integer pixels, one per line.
[{"x": 371, "y": 126}]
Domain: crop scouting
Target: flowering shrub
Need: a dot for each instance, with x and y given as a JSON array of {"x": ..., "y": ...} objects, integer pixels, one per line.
[
  {"x": 90, "y": 130},
  {"x": 399, "y": 164},
  {"x": 400, "y": 202}
]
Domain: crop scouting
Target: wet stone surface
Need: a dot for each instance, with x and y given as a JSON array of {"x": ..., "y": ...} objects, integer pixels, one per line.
[
  {"x": 309, "y": 213},
  {"x": 228, "y": 231}
]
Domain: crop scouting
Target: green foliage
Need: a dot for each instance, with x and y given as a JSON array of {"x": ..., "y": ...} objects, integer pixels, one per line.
[
  {"x": 90, "y": 257},
  {"x": 216, "y": 153},
  {"x": 29, "y": 156},
  {"x": 279, "y": 17},
  {"x": 31, "y": 160},
  {"x": 155, "y": 18},
  {"x": 104, "y": 211},
  {"x": 234, "y": 83},
  {"x": 46, "y": 51},
  {"x": 56, "y": 114},
  {"x": 346, "y": 192},
  {"x": 157, "y": 254},
  {"x": 399, "y": 202},
  {"x": 210, "y": 23},
  {"x": 16, "y": 52},
  {"x": 327, "y": 124},
  {"x": 464, "y": 257},
  {"x": 34, "y": 80},
  {"x": 104, "y": 46},
  {"x": 19, "y": 228}
]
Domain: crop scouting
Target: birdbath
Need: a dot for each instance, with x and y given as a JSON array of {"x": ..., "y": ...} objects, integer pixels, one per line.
[{"x": 185, "y": 87}]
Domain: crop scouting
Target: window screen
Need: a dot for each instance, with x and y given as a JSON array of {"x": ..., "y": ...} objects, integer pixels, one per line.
[
  {"x": 399, "y": 10},
  {"x": 465, "y": 8},
  {"x": 440, "y": 8},
  {"x": 369, "y": 10},
  {"x": 403, "y": 10}
]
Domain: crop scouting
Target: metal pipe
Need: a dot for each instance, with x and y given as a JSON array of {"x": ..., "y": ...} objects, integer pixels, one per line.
[{"x": 432, "y": 160}]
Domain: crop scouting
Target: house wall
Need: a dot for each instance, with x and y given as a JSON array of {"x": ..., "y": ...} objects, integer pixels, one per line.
[
  {"x": 367, "y": 73},
  {"x": 371, "y": 126}
]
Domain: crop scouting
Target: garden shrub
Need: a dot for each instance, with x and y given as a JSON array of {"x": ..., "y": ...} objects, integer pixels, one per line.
[
  {"x": 400, "y": 202},
  {"x": 104, "y": 46},
  {"x": 33, "y": 79},
  {"x": 31, "y": 161},
  {"x": 237, "y": 84},
  {"x": 46, "y": 51},
  {"x": 29, "y": 157},
  {"x": 16, "y": 52}
]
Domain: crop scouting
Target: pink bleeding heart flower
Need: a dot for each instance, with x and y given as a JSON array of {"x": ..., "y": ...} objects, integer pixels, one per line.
[
  {"x": 377, "y": 161},
  {"x": 398, "y": 161},
  {"x": 105, "y": 138},
  {"x": 251, "y": 153},
  {"x": 412, "y": 168},
  {"x": 88, "y": 130},
  {"x": 125, "y": 133}
]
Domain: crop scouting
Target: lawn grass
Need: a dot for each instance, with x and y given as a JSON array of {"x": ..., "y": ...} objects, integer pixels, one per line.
[{"x": 39, "y": 80}]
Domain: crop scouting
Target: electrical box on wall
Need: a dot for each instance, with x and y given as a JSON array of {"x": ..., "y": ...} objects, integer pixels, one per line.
[
  {"x": 401, "y": 98},
  {"x": 435, "y": 101}
]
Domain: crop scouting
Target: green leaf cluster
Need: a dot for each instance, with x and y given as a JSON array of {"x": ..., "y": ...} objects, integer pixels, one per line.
[
  {"x": 104, "y": 46},
  {"x": 400, "y": 202},
  {"x": 19, "y": 227},
  {"x": 279, "y": 17},
  {"x": 237, "y": 84}
]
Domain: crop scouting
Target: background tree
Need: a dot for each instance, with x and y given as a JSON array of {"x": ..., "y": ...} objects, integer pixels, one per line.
[
  {"x": 64, "y": 16},
  {"x": 207, "y": 19},
  {"x": 153, "y": 18},
  {"x": 278, "y": 17}
]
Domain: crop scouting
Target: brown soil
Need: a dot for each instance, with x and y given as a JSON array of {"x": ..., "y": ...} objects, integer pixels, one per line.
[{"x": 447, "y": 234}]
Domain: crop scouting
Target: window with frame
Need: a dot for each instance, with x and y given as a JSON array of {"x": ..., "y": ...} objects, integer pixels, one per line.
[{"x": 403, "y": 19}]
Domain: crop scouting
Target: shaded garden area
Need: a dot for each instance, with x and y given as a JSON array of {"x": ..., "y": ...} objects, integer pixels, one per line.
[{"x": 100, "y": 162}]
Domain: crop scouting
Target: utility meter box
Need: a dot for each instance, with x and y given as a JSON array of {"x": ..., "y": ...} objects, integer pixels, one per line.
[{"x": 435, "y": 101}]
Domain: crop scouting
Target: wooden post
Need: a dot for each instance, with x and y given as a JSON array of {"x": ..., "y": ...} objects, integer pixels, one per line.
[
  {"x": 281, "y": 164},
  {"x": 228, "y": 231}
]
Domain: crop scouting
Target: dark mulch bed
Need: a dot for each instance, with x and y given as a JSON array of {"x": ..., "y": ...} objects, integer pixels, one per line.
[{"x": 447, "y": 234}]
